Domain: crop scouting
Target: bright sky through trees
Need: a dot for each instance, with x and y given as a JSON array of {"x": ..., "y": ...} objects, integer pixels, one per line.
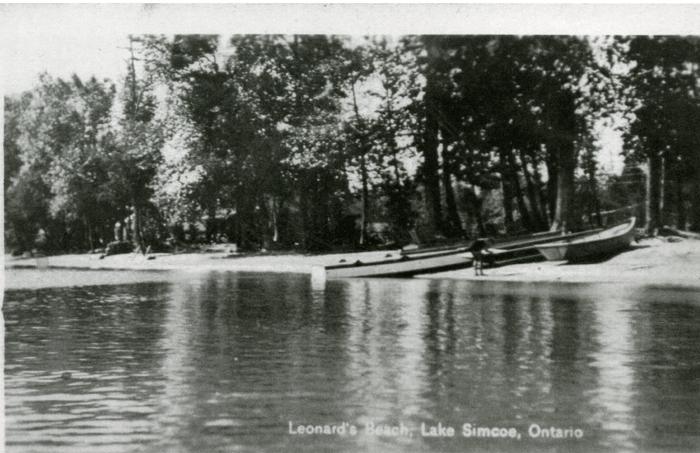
[{"x": 104, "y": 56}]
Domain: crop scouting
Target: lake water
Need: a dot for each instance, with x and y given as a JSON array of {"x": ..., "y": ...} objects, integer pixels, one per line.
[{"x": 223, "y": 362}]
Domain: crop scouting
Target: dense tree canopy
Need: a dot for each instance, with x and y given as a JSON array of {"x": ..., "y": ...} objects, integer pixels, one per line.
[
  {"x": 665, "y": 109},
  {"x": 321, "y": 142}
]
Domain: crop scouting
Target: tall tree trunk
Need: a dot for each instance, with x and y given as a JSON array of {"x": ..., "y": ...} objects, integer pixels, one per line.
[
  {"x": 565, "y": 186},
  {"x": 535, "y": 210},
  {"x": 662, "y": 192},
  {"x": 307, "y": 195},
  {"x": 89, "y": 233},
  {"x": 669, "y": 206},
  {"x": 137, "y": 237},
  {"x": 653, "y": 196},
  {"x": 592, "y": 201},
  {"x": 541, "y": 195},
  {"x": 553, "y": 175},
  {"x": 319, "y": 210},
  {"x": 397, "y": 170},
  {"x": 475, "y": 203},
  {"x": 274, "y": 216},
  {"x": 365, "y": 198},
  {"x": 315, "y": 209},
  {"x": 595, "y": 200},
  {"x": 454, "y": 222},
  {"x": 392, "y": 143},
  {"x": 564, "y": 121},
  {"x": 211, "y": 228},
  {"x": 695, "y": 203},
  {"x": 325, "y": 191},
  {"x": 305, "y": 210},
  {"x": 363, "y": 168},
  {"x": 479, "y": 221},
  {"x": 680, "y": 202},
  {"x": 430, "y": 173},
  {"x": 507, "y": 203},
  {"x": 511, "y": 187},
  {"x": 522, "y": 207},
  {"x": 430, "y": 148}
]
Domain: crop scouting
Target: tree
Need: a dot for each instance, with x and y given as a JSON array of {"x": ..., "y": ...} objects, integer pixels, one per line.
[
  {"x": 510, "y": 105},
  {"x": 575, "y": 89},
  {"x": 134, "y": 161},
  {"x": 359, "y": 67},
  {"x": 225, "y": 145},
  {"x": 295, "y": 84},
  {"x": 61, "y": 136},
  {"x": 427, "y": 137},
  {"x": 24, "y": 189},
  {"x": 395, "y": 80},
  {"x": 664, "y": 109},
  {"x": 265, "y": 123}
]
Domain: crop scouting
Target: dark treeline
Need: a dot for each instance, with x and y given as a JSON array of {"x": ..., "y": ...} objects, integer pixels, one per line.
[{"x": 323, "y": 142}]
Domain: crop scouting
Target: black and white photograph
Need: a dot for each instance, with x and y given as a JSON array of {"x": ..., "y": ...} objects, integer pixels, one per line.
[{"x": 352, "y": 228}]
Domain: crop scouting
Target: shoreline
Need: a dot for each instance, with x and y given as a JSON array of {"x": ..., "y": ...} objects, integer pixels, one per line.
[
  {"x": 196, "y": 261},
  {"x": 652, "y": 261}
]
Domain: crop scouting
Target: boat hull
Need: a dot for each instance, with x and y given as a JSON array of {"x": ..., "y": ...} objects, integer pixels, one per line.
[
  {"x": 607, "y": 242},
  {"x": 526, "y": 251},
  {"x": 553, "y": 253},
  {"x": 439, "y": 259},
  {"x": 405, "y": 266}
]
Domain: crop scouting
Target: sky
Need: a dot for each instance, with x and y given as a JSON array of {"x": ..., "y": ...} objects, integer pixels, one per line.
[
  {"x": 101, "y": 55},
  {"x": 89, "y": 38}
]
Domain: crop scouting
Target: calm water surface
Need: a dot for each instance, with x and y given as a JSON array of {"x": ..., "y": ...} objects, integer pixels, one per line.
[{"x": 222, "y": 362}]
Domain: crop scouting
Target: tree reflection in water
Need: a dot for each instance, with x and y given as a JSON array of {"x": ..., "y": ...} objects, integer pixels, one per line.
[{"x": 219, "y": 361}]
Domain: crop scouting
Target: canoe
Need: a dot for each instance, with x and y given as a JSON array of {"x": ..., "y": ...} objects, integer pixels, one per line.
[
  {"x": 516, "y": 252},
  {"x": 415, "y": 251},
  {"x": 402, "y": 265},
  {"x": 505, "y": 243},
  {"x": 435, "y": 259},
  {"x": 590, "y": 246}
]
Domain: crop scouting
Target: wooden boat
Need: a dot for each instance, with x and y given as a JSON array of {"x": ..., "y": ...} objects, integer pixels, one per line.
[
  {"x": 599, "y": 244},
  {"x": 523, "y": 251},
  {"x": 436, "y": 259},
  {"x": 401, "y": 265}
]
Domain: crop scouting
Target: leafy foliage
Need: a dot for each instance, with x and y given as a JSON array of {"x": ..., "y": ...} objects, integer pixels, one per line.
[{"x": 316, "y": 141}]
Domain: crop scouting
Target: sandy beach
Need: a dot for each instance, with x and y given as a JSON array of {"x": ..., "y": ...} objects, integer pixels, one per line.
[
  {"x": 651, "y": 261},
  {"x": 202, "y": 261}
]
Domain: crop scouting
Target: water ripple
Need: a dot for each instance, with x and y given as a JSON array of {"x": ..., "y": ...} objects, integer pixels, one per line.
[{"x": 223, "y": 362}]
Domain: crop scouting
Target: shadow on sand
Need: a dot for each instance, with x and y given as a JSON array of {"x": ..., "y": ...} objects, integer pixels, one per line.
[{"x": 601, "y": 258}]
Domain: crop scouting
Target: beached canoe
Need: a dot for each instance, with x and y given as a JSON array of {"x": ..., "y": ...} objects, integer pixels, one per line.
[
  {"x": 604, "y": 243},
  {"x": 504, "y": 243},
  {"x": 436, "y": 259},
  {"x": 399, "y": 265},
  {"x": 525, "y": 251}
]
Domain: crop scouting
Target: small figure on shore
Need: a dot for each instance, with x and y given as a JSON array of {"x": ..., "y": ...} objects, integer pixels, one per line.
[{"x": 478, "y": 249}]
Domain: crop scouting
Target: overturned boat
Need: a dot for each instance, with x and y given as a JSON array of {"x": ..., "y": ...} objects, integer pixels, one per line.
[{"x": 591, "y": 246}]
